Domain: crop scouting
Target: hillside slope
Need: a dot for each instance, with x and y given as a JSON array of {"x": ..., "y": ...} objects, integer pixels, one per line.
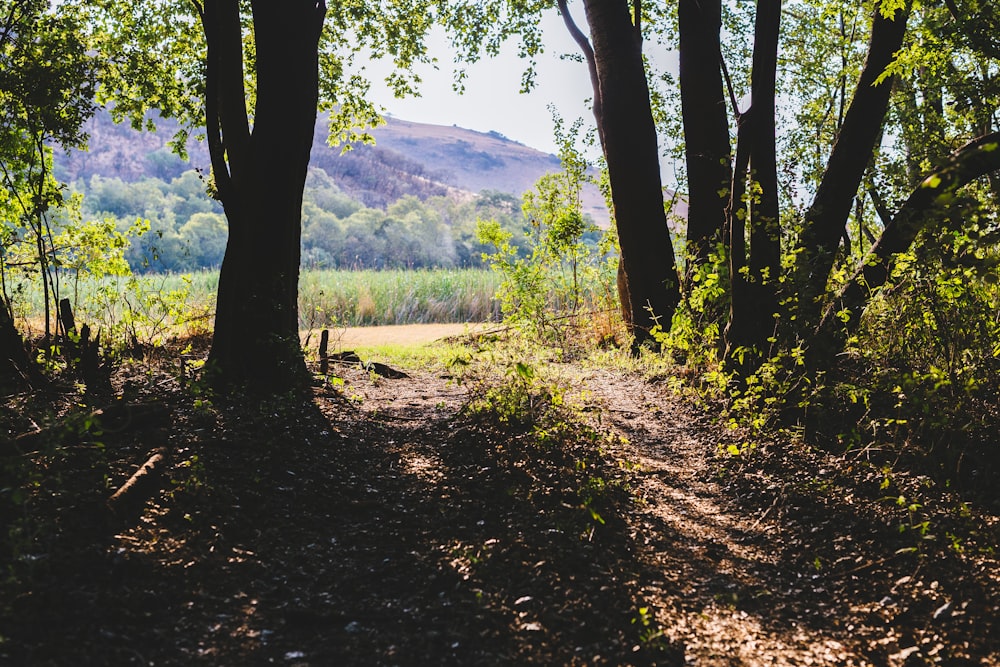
[{"x": 408, "y": 159}]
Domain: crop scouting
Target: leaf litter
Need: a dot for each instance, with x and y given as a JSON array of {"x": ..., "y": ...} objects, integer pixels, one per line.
[{"x": 378, "y": 523}]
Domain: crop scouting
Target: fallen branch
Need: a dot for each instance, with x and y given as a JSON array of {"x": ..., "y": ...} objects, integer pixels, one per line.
[
  {"x": 128, "y": 501},
  {"x": 351, "y": 357},
  {"x": 383, "y": 370}
]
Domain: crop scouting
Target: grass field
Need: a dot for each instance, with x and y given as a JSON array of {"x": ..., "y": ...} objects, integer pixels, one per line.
[
  {"x": 327, "y": 298},
  {"x": 374, "y": 298}
]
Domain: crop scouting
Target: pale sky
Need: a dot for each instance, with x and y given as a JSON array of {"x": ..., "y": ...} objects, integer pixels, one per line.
[{"x": 491, "y": 100}]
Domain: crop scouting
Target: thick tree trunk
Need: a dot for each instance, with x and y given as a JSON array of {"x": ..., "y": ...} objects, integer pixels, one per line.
[
  {"x": 754, "y": 294},
  {"x": 827, "y": 216},
  {"x": 706, "y": 126},
  {"x": 628, "y": 134},
  {"x": 256, "y": 341}
]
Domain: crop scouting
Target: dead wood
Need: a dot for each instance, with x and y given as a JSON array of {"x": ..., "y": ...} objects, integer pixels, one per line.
[
  {"x": 383, "y": 370},
  {"x": 346, "y": 357},
  {"x": 351, "y": 357},
  {"x": 127, "y": 502},
  {"x": 324, "y": 345}
]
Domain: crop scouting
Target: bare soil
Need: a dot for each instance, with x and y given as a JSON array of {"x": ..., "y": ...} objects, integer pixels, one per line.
[
  {"x": 380, "y": 522},
  {"x": 398, "y": 334}
]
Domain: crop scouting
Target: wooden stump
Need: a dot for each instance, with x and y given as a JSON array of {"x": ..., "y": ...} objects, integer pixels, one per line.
[{"x": 324, "y": 345}]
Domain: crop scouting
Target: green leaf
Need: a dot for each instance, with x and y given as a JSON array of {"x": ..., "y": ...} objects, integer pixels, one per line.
[
  {"x": 889, "y": 8},
  {"x": 524, "y": 371}
]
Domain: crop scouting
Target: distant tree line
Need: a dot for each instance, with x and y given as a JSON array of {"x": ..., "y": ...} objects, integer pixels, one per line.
[{"x": 187, "y": 229}]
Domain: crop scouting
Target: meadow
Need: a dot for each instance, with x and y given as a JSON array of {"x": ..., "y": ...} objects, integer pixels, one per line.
[{"x": 327, "y": 298}]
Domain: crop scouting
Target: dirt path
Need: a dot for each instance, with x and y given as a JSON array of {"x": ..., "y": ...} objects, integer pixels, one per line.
[
  {"x": 402, "y": 334},
  {"x": 377, "y": 525},
  {"x": 792, "y": 560}
]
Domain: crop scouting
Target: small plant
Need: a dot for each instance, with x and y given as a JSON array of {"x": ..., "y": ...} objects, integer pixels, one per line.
[
  {"x": 650, "y": 633},
  {"x": 567, "y": 278}
]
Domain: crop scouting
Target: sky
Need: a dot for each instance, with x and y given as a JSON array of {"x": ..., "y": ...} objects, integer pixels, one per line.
[{"x": 491, "y": 100}]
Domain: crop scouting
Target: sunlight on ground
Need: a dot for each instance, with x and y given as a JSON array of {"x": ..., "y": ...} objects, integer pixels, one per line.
[{"x": 399, "y": 334}]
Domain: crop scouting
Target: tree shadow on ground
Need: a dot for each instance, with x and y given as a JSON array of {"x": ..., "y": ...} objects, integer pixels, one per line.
[{"x": 309, "y": 533}]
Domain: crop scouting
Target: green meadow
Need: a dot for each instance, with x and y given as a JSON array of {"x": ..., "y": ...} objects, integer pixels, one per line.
[{"x": 327, "y": 297}]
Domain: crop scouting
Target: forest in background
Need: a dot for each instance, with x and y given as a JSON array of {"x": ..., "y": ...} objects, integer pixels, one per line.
[
  {"x": 183, "y": 229},
  {"x": 373, "y": 207}
]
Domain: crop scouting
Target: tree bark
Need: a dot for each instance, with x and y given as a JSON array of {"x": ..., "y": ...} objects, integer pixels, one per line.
[
  {"x": 260, "y": 176},
  {"x": 128, "y": 501},
  {"x": 628, "y": 134},
  {"x": 827, "y": 216},
  {"x": 765, "y": 230},
  {"x": 14, "y": 362},
  {"x": 706, "y": 125},
  {"x": 754, "y": 295}
]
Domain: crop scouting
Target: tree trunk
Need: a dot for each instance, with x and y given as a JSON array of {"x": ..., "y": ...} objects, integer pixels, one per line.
[
  {"x": 628, "y": 134},
  {"x": 765, "y": 230},
  {"x": 706, "y": 126},
  {"x": 260, "y": 180},
  {"x": 827, "y": 216},
  {"x": 14, "y": 363},
  {"x": 754, "y": 296}
]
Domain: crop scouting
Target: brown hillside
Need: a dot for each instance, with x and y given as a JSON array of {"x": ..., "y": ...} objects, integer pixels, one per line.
[{"x": 408, "y": 159}]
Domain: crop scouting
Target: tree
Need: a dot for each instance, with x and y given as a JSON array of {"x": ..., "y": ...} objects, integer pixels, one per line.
[
  {"x": 648, "y": 284},
  {"x": 754, "y": 200},
  {"x": 706, "y": 125},
  {"x": 978, "y": 158},
  {"x": 856, "y": 142},
  {"x": 259, "y": 175},
  {"x": 46, "y": 95},
  {"x": 252, "y": 74}
]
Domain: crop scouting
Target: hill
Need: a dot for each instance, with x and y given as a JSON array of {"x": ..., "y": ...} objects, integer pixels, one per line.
[{"x": 408, "y": 159}]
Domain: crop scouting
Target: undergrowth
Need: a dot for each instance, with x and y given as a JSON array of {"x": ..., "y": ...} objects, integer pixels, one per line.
[
  {"x": 516, "y": 391},
  {"x": 917, "y": 386}
]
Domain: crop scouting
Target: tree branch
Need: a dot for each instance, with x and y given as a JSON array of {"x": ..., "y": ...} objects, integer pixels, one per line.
[
  {"x": 729, "y": 84},
  {"x": 199, "y": 7},
  {"x": 852, "y": 151},
  {"x": 588, "y": 54},
  {"x": 883, "y": 211},
  {"x": 225, "y": 104},
  {"x": 213, "y": 130},
  {"x": 976, "y": 159}
]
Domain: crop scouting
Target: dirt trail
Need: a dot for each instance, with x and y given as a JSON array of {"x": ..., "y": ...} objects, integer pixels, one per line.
[
  {"x": 378, "y": 525},
  {"x": 786, "y": 566},
  {"x": 788, "y": 561},
  {"x": 708, "y": 550}
]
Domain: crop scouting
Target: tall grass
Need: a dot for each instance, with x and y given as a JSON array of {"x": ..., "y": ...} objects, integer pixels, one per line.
[
  {"x": 371, "y": 298},
  {"x": 327, "y": 298}
]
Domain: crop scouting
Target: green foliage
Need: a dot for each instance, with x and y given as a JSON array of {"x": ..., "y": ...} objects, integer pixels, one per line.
[
  {"x": 927, "y": 359},
  {"x": 568, "y": 273},
  {"x": 514, "y": 390},
  {"x": 187, "y": 230},
  {"x": 694, "y": 338},
  {"x": 46, "y": 91}
]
